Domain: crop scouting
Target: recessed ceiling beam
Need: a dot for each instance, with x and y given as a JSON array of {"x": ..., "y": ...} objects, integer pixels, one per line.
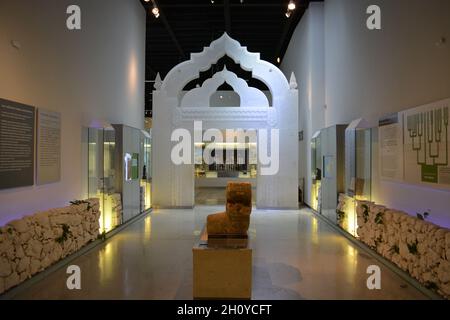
[
  {"x": 226, "y": 9},
  {"x": 170, "y": 31},
  {"x": 287, "y": 27}
]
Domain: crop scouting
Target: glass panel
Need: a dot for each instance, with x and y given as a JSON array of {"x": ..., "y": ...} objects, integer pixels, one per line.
[
  {"x": 146, "y": 181},
  {"x": 363, "y": 174},
  {"x": 102, "y": 177},
  {"x": 316, "y": 173}
]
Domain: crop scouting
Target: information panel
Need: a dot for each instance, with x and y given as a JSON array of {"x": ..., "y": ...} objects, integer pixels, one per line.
[
  {"x": 390, "y": 137},
  {"x": 17, "y": 127},
  {"x": 427, "y": 145},
  {"x": 48, "y": 147}
]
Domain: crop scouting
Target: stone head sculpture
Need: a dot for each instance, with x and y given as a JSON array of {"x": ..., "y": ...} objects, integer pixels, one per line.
[{"x": 236, "y": 219}]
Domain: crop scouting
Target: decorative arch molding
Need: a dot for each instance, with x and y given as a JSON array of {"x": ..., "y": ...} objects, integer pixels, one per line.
[
  {"x": 189, "y": 70},
  {"x": 174, "y": 185},
  {"x": 200, "y": 97}
]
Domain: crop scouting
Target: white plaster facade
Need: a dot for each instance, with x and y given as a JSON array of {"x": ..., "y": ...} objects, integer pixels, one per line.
[{"x": 173, "y": 185}]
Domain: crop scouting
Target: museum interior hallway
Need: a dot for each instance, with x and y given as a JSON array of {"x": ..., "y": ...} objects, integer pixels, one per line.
[{"x": 296, "y": 256}]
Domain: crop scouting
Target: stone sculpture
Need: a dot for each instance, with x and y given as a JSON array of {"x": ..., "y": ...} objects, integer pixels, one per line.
[{"x": 235, "y": 220}]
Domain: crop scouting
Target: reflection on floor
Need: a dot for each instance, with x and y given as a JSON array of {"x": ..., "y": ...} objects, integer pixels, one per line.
[
  {"x": 214, "y": 196},
  {"x": 296, "y": 256}
]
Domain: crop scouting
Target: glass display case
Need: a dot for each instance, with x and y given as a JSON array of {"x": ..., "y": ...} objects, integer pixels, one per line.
[
  {"x": 358, "y": 172},
  {"x": 102, "y": 176},
  {"x": 235, "y": 160},
  {"x": 146, "y": 180},
  {"x": 316, "y": 171}
]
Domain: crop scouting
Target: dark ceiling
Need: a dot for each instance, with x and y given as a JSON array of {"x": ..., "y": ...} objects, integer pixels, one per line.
[{"x": 186, "y": 26}]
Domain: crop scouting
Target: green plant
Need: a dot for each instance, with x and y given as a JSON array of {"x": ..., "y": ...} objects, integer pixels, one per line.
[
  {"x": 379, "y": 218},
  {"x": 423, "y": 216},
  {"x": 365, "y": 212},
  {"x": 80, "y": 202},
  {"x": 377, "y": 242},
  {"x": 10, "y": 230},
  {"x": 340, "y": 215},
  {"x": 65, "y": 234},
  {"x": 431, "y": 285},
  {"x": 412, "y": 247},
  {"x": 395, "y": 249},
  {"x": 102, "y": 236}
]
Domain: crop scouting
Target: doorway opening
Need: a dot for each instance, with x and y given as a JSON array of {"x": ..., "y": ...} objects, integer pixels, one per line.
[{"x": 218, "y": 163}]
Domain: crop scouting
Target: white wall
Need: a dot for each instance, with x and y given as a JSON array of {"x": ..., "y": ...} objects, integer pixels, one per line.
[
  {"x": 372, "y": 73},
  {"x": 91, "y": 76},
  {"x": 305, "y": 57}
]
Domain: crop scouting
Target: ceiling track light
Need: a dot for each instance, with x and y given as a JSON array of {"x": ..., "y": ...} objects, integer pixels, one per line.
[
  {"x": 155, "y": 9},
  {"x": 291, "y": 7}
]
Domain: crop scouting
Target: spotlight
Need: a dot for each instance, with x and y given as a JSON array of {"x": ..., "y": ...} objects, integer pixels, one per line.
[
  {"x": 155, "y": 9},
  {"x": 291, "y": 5},
  {"x": 278, "y": 60},
  {"x": 155, "y": 12}
]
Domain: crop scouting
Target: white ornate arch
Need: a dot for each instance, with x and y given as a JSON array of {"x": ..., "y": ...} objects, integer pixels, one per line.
[
  {"x": 189, "y": 70},
  {"x": 174, "y": 184},
  {"x": 199, "y": 97}
]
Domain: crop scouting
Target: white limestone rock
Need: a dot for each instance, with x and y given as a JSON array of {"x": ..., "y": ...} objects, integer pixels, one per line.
[
  {"x": 19, "y": 251},
  {"x": 19, "y": 225},
  {"x": 447, "y": 241},
  {"x": 42, "y": 218},
  {"x": 2, "y": 285},
  {"x": 12, "y": 280},
  {"x": 59, "y": 220},
  {"x": 45, "y": 262},
  {"x": 24, "y": 237},
  {"x": 35, "y": 266},
  {"x": 24, "y": 264},
  {"x": 5, "y": 267},
  {"x": 445, "y": 288},
  {"x": 34, "y": 249},
  {"x": 48, "y": 235},
  {"x": 75, "y": 220},
  {"x": 24, "y": 276},
  {"x": 443, "y": 271}
]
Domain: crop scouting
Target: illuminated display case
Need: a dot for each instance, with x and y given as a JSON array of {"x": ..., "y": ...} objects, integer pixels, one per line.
[
  {"x": 102, "y": 176},
  {"x": 316, "y": 171},
  {"x": 238, "y": 160},
  {"x": 146, "y": 180},
  {"x": 358, "y": 173}
]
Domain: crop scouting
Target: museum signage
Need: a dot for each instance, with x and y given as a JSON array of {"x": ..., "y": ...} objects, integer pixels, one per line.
[
  {"x": 48, "y": 147},
  {"x": 17, "y": 130}
]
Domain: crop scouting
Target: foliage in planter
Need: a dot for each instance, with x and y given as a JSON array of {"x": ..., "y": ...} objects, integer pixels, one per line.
[
  {"x": 80, "y": 202},
  {"x": 102, "y": 236},
  {"x": 422, "y": 216},
  {"x": 377, "y": 242},
  {"x": 65, "y": 234},
  {"x": 379, "y": 218},
  {"x": 412, "y": 247},
  {"x": 340, "y": 215},
  {"x": 365, "y": 212},
  {"x": 395, "y": 249},
  {"x": 431, "y": 285}
]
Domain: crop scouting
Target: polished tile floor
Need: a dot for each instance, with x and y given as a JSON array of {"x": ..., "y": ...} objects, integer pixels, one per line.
[{"x": 296, "y": 256}]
